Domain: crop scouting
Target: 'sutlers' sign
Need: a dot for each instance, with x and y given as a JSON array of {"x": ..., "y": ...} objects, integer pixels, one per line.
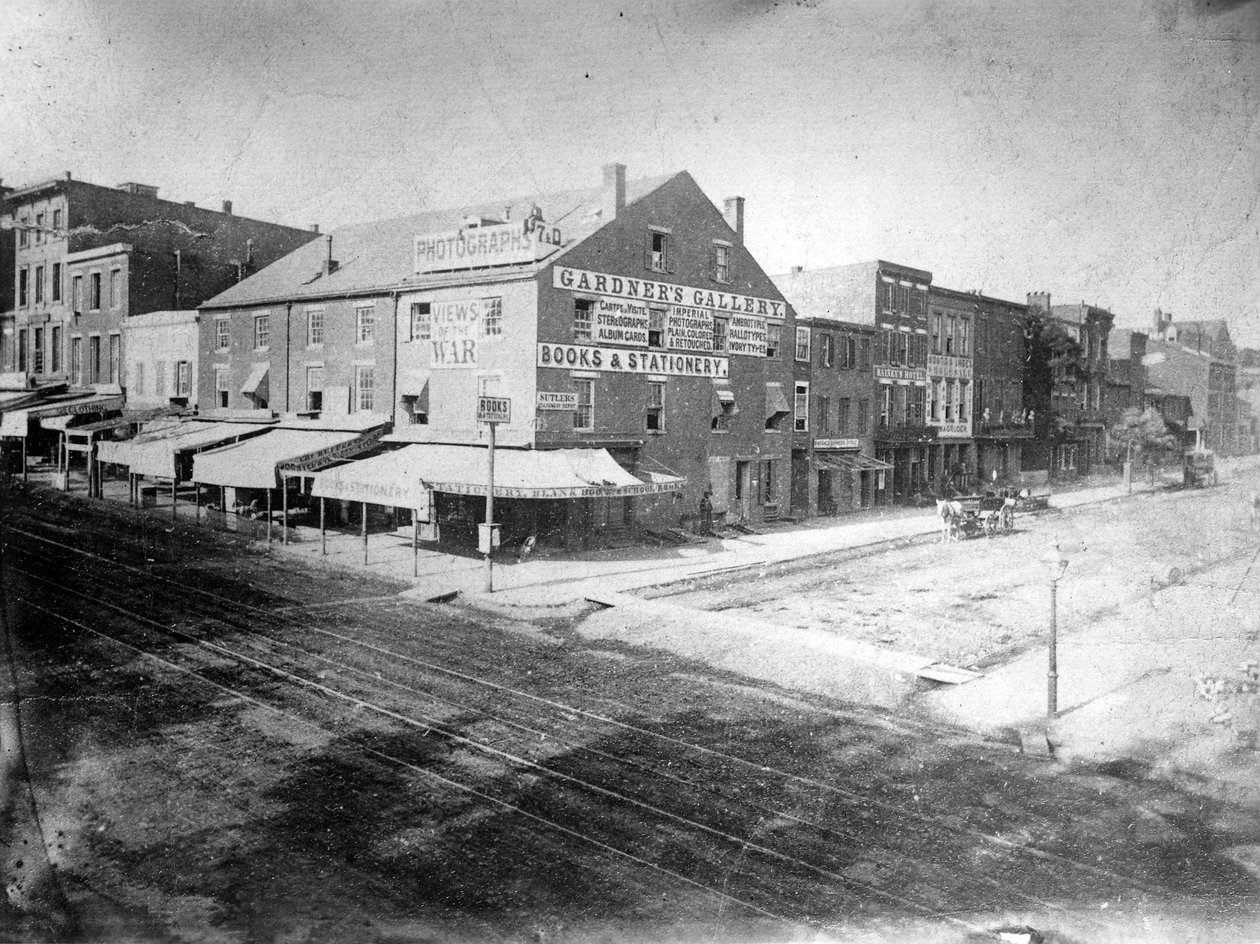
[{"x": 648, "y": 290}]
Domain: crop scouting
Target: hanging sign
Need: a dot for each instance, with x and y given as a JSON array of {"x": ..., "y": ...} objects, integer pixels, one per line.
[{"x": 494, "y": 410}]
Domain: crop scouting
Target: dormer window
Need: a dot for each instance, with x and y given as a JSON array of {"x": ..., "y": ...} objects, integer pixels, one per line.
[{"x": 657, "y": 251}]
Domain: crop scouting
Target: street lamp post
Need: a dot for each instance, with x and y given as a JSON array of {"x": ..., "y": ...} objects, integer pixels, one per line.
[{"x": 1057, "y": 564}]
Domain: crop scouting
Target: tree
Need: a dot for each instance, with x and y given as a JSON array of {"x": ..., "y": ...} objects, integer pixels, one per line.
[
  {"x": 1051, "y": 354},
  {"x": 1143, "y": 435}
]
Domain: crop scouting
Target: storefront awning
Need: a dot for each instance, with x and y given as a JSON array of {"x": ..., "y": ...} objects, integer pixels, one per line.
[
  {"x": 17, "y": 422},
  {"x": 155, "y": 454},
  {"x": 776, "y": 400},
  {"x": 256, "y": 383},
  {"x": 461, "y": 470},
  {"x": 850, "y": 463},
  {"x": 254, "y": 463}
]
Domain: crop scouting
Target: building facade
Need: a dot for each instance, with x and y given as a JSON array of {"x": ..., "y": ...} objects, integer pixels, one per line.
[
  {"x": 88, "y": 257},
  {"x": 1198, "y": 359},
  {"x": 953, "y": 319},
  {"x": 627, "y": 319},
  {"x": 1001, "y": 425},
  {"x": 892, "y": 300},
  {"x": 162, "y": 355}
]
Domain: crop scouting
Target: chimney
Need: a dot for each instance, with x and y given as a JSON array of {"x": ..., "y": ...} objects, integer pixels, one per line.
[
  {"x": 314, "y": 227},
  {"x": 189, "y": 203},
  {"x": 614, "y": 191},
  {"x": 507, "y": 213},
  {"x": 330, "y": 264},
  {"x": 227, "y": 207},
  {"x": 733, "y": 210},
  {"x": 68, "y": 177},
  {"x": 1040, "y": 301},
  {"x": 249, "y": 252},
  {"x": 797, "y": 270}
]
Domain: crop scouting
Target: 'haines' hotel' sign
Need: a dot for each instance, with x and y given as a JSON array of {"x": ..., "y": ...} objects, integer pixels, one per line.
[{"x": 498, "y": 244}]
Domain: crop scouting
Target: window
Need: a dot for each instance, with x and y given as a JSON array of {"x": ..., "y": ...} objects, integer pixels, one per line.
[
  {"x": 39, "y": 284},
  {"x": 584, "y": 415},
  {"x": 221, "y": 388},
  {"x": 421, "y": 324},
  {"x": 657, "y": 251},
  {"x": 582, "y": 319},
  {"x": 848, "y": 352},
  {"x": 76, "y": 293},
  {"x": 37, "y": 353},
  {"x": 159, "y": 379},
  {"x": 886, "y": 296},
  {"x": 964, "y": 401},
  {"x": 802, "y": 344},
  {"x": 115, "y": 358},
  {"x": 24, "y": 283},
  {"x": 23, "y": 235},
  {"x": 137, "y": 378},
  {"x": 917, "y": 397},
  {"x": 94, "y": 359},
  {"x": 315, "y": 389},
  {"x": 801, "y": 414},
  {"x": 726, "y": 411},
  {"x": 56, "y": 282},
  {"x": 365, "y": 388},
  {"x": 719, "y": 335},
  {"x": 948, "y": 399},
  {"x": 655, "y": 405},
  {"x": 824, "y": 415},
  {"x": 949, "y": 335},
  {"x": 314, "y": 327},
  {"x": 864, "y": 353},
  {"x": 55, "y": 349},
  {"x": 826, "y": 350},
  {"x": 94, "y": 297},
  {"x": 183, "y": 379},
  {"x": 963, "y": 350},
  {"x": 76, "y": 361},
  {"x": 767, "y": 481},
  {"x": 721, "y": 262},
  {"x": 222, "y": 334},
  {"x": 262, "y": 332},
  {"x": 115, "y": 288},
  {"x": 842, "y": 416},
  {"x": 656, "y": 327},
  {"x": 39, "y": 228},
  {"x": 21, "y": 347},
  {"x": 365, "y": 324},
  {"x": 863, "y": 415},
  {"x": 492, "y": 317},
  {"x": 937, "y": 318},
  {"x": 56, "y": 223},
  {"x": 885, "y": 405},
  {"x": 774, "y": 339}
]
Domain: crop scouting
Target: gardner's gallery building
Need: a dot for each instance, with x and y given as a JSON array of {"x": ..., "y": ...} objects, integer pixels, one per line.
[{"x": 646, "y": 356}]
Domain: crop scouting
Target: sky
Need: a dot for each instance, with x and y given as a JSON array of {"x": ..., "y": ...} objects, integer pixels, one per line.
[{"x": 1103, "y": 152}]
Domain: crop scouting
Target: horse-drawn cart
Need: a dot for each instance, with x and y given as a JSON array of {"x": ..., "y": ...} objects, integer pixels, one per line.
[{"x": 971, "y": 515}]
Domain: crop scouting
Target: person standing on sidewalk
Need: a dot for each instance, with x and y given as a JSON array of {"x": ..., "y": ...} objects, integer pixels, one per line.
[{"x": 706, "y": 515}]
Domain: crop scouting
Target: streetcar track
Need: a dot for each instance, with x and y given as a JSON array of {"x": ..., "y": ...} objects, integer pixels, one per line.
[
  {"x": 743, "y": 843},
  {"x": 897, "y": 809}
]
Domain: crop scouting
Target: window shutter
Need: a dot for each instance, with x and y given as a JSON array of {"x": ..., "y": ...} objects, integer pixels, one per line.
[
  {"x": 713, "y": 263},
  {"x": 647, "y": 250},
  {"x": 669, "y": 253}
]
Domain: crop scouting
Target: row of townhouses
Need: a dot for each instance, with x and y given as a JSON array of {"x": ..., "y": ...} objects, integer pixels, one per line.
[{"x": 653, "y": 372}]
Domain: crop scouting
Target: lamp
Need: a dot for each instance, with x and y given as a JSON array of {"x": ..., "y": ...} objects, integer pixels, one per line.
[{"x": 1057, "y": 564}]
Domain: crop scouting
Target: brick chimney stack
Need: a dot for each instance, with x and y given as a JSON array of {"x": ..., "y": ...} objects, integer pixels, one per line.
[
  {"x": 614, "y": 191},
  {"x": 733, "y": 210}
]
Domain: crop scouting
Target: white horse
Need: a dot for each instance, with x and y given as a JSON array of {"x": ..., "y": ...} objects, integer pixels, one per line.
[{"x": 951, "y": 513}]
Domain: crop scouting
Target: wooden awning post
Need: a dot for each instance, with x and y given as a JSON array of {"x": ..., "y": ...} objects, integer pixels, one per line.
[
  {"x": 25, "y": 474},
  {"x": 323, "y": 536},
  {"x": 363, "y": 516},
  {"x": 284, "y": 503},
  {"x": 197, "y": 500},
  {"x": 174, "y": 485},
  {"x": 269, "y": 491},
  {"x": 415, "y": 542}
]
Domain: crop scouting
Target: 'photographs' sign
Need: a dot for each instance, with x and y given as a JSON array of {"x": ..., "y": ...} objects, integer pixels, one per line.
[
  {"x": 648, "y": 290},
  {"x": 746, "y": 335},
  {"x": 582, "y": 357},
  {"x": 501, "y": 244},
  {"x": 615, "y": 321},
  {"x": 454, "y": 328},
  {"x": 689, "y": 329}
]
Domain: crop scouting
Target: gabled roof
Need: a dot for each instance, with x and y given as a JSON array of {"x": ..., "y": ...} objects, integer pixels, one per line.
[
  {"x": 379, "y": 256},
  {"x": 1210, "y": 335}
]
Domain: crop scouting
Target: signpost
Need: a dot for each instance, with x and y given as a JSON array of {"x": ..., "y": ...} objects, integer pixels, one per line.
[{"x": 492, "y": 411}]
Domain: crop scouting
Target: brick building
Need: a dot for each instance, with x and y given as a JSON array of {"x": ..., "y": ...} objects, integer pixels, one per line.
[
  {"x": 626, "y": 323},
  {"x": 834, "y": 469},
  {"x": 952, "y": 323},
  {"x": 892, "y": 300},
  {"x": 87, "y": 257},
  {"x": 1198, "y": 358},
  {"x": 1069, "y": 422}
]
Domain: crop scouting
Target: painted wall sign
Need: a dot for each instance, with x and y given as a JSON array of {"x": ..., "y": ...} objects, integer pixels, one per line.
[
  {"x": 617, "y": 321},
  {"x": 945, "y": 365},
  {"x": 553, "y": 400},
  {"x": 502, "y": 244},
  {"x": 951, "y": 430},
  {"x": 454, "y": 332},
  {"x": 329, "y": 455},
  {"x": 689, "y": 329},
  {"x": 837, "y": 444},
  {"x": 746, "y": 335},
  {"x": 583, "y": 357},
  {"x": 649, "y": 290}
]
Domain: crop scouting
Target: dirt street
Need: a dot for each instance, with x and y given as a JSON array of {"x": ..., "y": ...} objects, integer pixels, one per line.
[{"x": 228, "y": 747}]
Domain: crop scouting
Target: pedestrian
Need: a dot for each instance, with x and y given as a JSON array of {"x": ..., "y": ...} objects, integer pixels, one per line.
[{"x": 706, "y": 515}]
